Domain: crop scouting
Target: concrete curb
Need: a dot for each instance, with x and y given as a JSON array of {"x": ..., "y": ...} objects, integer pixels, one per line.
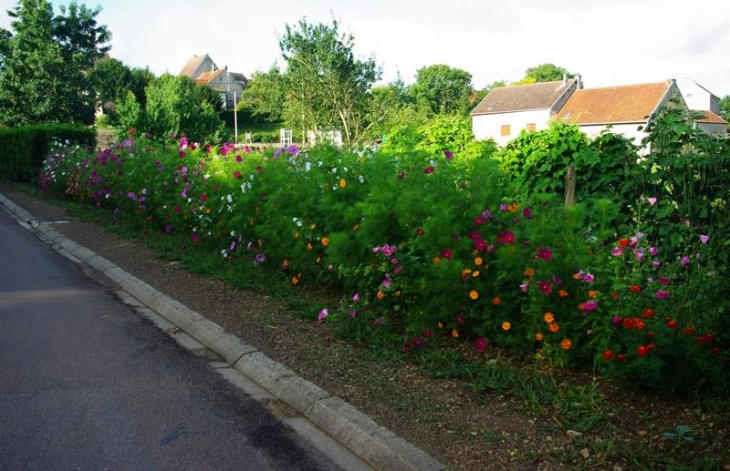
[{"x": 374, "y": 444}]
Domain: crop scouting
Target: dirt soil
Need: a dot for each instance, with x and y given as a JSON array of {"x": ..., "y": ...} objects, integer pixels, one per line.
[{"x": 463, "y": 429}]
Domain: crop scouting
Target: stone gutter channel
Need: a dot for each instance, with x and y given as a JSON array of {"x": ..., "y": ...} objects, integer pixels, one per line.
[{"x": 377, "y": 447}]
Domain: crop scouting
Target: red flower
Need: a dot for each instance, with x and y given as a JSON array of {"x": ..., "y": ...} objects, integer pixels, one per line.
[
  {"x": 623, "y": 242},
  {"x": 642, "y": 351},
  {"x": 672, "y": 324},
  {"x": 648, "y": 313},
  {"x": 237, "y": 175},
  {"x": 607, "y": 355},
  {"x": 635, "y": 288},
  {"x": 447, "y": 254},
  {"x": 428, "y": 169},
  {"x": 689, "y": 330}
]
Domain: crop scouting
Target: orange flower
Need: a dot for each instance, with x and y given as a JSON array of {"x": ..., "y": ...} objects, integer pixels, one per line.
[
  {"x": 380, "y": 295},
  {"x": 614, "y": 295},
  {"x": 474, "y": 294},
  {"x": 475, "y": 273},
  {"x": 465, "y": 271},
  {"x": 440, "y": 325},
  {"x": 309, "y": 246},
  {"x": 562, "y": 293},
  {"x": 554, "y": 327},
  {"x": 295, "y": 280},
  {"x": 436, "y": 261},
  {"x": 343, "y": 183},
  {"x": 496, "y": 301},
  {"x": 325, "y": 241},
  {"x": 478, "y": 261},
  {"x": 356, "y": 228},
  {"x": 529, "y": 272},
  {"x": 539, "y": 336},
  {"x": 592, "y": 294},
  {"x": 548, "y": 317},
  {"x": 506, "y": 326},
  {"x": 512, "y": 207},
  {"x": 296, "y": 235},
  {"x": 398, "y": 294},
  {"x": 455, "y": 333},
  {"x": 565, "y": 344}
]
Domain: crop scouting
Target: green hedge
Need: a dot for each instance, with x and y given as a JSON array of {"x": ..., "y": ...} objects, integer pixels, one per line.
[{"x": 23, "y": 149}]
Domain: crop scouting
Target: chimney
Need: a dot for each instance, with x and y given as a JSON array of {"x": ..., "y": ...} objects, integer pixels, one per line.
[{"x": 580, "y": 82}]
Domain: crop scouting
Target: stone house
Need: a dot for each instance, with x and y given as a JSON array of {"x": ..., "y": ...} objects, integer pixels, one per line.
[
  {"x": 506, "y": 111},
  {"x": 204, "y": 71}
]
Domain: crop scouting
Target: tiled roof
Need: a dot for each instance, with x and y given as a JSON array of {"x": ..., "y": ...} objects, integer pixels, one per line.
[
  {"x": 624, "y": 104},
  {"x": 522, "y": 97},
  {"x": 207, "y": 77},
  {"x": 708, "y": 117}
]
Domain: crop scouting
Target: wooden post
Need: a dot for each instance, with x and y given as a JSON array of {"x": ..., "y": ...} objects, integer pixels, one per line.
[{"x": 570, "y": 186}]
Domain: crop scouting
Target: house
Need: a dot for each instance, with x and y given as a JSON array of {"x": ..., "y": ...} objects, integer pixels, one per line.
[
  {"x": 705, "y": 107},
  {"x": 204, "y": 71},
  {"x": 622, "y": 110},
  {"x": 506, "y": 111}
]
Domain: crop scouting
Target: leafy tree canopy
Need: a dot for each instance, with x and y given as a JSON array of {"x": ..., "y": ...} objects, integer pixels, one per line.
[
  {"x": 265, "y": 94},
  {"x": 326, "y": 85},
  {"x": 440, "y": 89},
  {"x": 725, "y": 108},
  {"x": 544, "y": 73},
  {"x": 45, "y": 62}
]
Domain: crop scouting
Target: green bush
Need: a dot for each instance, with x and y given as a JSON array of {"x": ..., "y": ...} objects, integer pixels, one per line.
[{"x": 23, "y": 149}]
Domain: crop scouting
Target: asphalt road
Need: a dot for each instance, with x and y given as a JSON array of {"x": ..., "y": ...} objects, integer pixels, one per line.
[{"x": 86, "y": 383}]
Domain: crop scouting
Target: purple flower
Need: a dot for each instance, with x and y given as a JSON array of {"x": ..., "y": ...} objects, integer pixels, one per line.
[
  {"x": 355, "y": 297},
  {"x": 353, "y": 314},
  {"x": 590, "y": 305},
  {"x": 663, "y": 280},
  {"x": 487, "y": 214},
  {"x": 639, "y": 254},
  {"x": 616, "y": 321},
  {"x": 527, "y": 212},
  {"x": 661, "y": 294},
  {"x": 684, "y": 260},
  {"x": 617, "y": 252},
  {"x": 448, "y": 154},
  {"x": 704, "y": 238},
  {"x": 259, "y": 258},
  {"x": 589, "y": 278},
  {"x": 322, "y": 315},
  {"x": 653, "y": 251}
]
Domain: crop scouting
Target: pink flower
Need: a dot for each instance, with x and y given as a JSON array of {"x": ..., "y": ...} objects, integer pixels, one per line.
[
  {"x": 239, "y": 159},
  {"x": 652, "y": 200},
  {"x": 684, "y": 260},
  {"x": 545, "y": 286},
  {"x": 589, "y": 278},
  {"x": 428, "y": 169},
  {"x": 355, "y": 297},
  {"x": 322, "y": 315},
  {"x": 617, "y": 252},
  {"x": 194, "y": 238},
  {"x": 237, "y": 175},
  {"x": 447, "y": 254},
  {"x": 523, "y": 287},
  {"x": 661, "y": 294},
  {"x": 480, "y": 344},
  {"x": 590, "y": 305},
  {"x": 704, "y": 238},
  {"x": 527, "y": 212},
  {"x": 653, "y": 251}
]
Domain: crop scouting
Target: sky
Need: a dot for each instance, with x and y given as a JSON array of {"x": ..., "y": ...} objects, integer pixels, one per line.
[{"x": 608, "y": 42}]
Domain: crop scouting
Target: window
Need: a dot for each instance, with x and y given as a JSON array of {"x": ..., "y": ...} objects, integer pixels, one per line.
[
  {"x": 505, "y": 130},
  {"x": 531, "y": 127}
]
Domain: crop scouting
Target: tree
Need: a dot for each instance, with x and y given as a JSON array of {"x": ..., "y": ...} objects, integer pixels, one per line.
[
  {"x": 326, "y": 86},
  {"x": 112, "y": 79},
  {"x": 44, "y": 73},
  {"x": 265, "y": 94},
  {"x": 175, "y": 106},
  {"x": 725, "y": 108},
  {"x": 440, "y": 89},
  {"x": 544, "y": 73}
]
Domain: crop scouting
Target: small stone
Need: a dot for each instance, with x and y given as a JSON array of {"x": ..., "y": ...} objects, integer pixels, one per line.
[
  {"x": 573, "y": 434},
  {"x": 548, "y": 438},
  {"x": 642, "y": 433},
  {"x": 585, "y": 453},
  {"x": 618, "y": 468}
]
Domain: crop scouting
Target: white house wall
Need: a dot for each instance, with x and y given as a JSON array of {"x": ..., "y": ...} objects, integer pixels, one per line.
[
  {"x": 629, "y": 131},
  {"x": 487, "y": 126}
]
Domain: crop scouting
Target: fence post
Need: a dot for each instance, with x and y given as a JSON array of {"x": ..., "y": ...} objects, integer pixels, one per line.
[{"x": 570, "y": 186}]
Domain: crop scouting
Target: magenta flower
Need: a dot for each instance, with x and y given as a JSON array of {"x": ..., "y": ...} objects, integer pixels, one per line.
[
  {"x": 653, "y": 251},
  {"x": 239, "y": 159},
  {"x": 590, "y": 305},
  {"x": 589, "y": 278},
  {"x": 487, "y": 214},
  {"x": 704, "y": 238},
  {"x": 639, "y": 254},
  {"x": 353, "y": 314},
  {"x": 545, "y": 286},
  {"x": 663, "y": 280},
  {"x": 322, "y": 315},
  {"x": 523, "y": 287},
  {"x": 237, "y": 175},
  {"x": 617, "y": 252},
  {"x": 545, "y": 254},
  {"x": 480, "y": 244},
  {"x": 448, "y": 154},
  {"x": 616, "y": 321},
  {"x": 194, "y": 238},
  {"x": 355, "y": 297},
  {"x": 259, "y": 258},
  {"x": 182, "y": 154},
  {"x": 429, "y": 169},
  {"x": 684, "y": 260},
  {"x": 527, "y": 212},
  {"x": 661, "y": 294},
  {"x": 480, "y": 344},
  {"x": 447, "y": 254}
]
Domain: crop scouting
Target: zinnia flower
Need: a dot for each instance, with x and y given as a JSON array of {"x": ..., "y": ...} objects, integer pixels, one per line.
[
  {"x": 474, "y": 294},
  {"x": 565, "y": 344},
  {"x": 506, "y": 326},
  {"x": 480, "y": 344}
]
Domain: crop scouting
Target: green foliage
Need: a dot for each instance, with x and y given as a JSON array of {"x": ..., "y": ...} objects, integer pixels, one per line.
[
  {"x": 544, "y": 73},
  {"x": 265, "y": 95},
  {"x": 725, "y": 108},
  {"x": 22, "y": 149},
  {"x": 326, "y": 86},
  {"x": 45, "y": 63},
  {"x": 175, "y": 106},
  {"x": 440, "y": 89}
]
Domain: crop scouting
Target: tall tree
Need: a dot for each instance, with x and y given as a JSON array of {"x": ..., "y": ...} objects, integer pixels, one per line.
[
  {"x": 544, "y": 73},
  {"x": 112, "y": 79},
  {"x": 326, "y": 85},
  {"x": 265, "y": 94},
  {"x": 440, "y": 89},
  {"x": 725, "y": 108},
  {"x": 44, "y": 74}
]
